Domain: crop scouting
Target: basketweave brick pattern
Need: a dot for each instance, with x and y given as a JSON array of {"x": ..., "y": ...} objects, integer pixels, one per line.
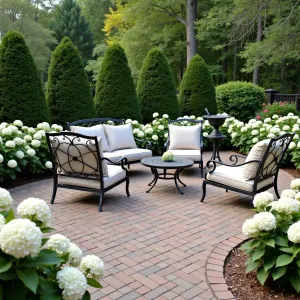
[{"x": 160, "y": 245}]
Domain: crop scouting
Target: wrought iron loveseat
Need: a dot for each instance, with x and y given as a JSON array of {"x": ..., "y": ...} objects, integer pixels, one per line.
[
  {"x": 258, "y": 173},
  {"x": 78, "y": 164},
  {"x": 94, "y": 127}
]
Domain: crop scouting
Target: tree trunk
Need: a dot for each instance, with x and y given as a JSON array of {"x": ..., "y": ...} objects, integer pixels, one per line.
[
  {"x": 234, "y": 62},
  {"x": 258, "y": 39},
  {"x": 225, "y": 65},
  {"x": 191, "y": 16}
]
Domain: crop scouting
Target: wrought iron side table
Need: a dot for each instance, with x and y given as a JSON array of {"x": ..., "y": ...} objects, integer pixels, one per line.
[{"x": 155, "y": 163}]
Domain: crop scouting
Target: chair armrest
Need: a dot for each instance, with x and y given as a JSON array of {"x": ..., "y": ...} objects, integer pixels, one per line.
[
  {"x": 166, "y": 145},
  {"x": 235, "y": 158},
  {"x": 201, "y": 145},
  {"x": 122, "y": 162},
  {"x": 212, "y": 164},
  {"x": 148, "y": 144}
]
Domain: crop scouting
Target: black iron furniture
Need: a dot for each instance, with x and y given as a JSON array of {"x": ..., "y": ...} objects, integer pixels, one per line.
[
  {"x": 78, "y": 164},
  {"x": 216, "y": 136},
  {"x": 156, "y": 163},
  {"x": 193, "y": 153},
  {"x": 133, "y": 155},
  {"x": 264, "y": 169}
]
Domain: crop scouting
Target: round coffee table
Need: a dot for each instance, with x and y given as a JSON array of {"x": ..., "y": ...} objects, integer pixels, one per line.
[{"x": 155, "y": 163}]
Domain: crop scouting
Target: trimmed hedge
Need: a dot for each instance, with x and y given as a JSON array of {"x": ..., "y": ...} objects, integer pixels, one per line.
[
  {"x": 240, "y": 99},
  {"x": 21, "y": 93},
  {"x": 156, "y": 87},
  {"x": 197, "y": 90},
  {"x": 69, "y": 94},
  {"x": 115, "y": 90}
]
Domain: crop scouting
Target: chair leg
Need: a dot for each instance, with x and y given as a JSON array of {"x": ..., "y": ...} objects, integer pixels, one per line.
[
  {"x": 127, "y": 187},
  {"x": 128, "y": 165},
  {"x": 226, "y": 191},
  {"x": 54, "y": 189},
  {"x": 201, "y": 168},
  {"x": 203, "y": 191},
  {"x": 276, "y": 188},
  {"x": 101, "y": 200}
]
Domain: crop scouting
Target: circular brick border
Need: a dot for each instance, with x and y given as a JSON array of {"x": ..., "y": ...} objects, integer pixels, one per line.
[{"x": 215, "y": 264}]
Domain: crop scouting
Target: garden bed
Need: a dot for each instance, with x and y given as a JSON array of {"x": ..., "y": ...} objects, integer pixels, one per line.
[{"x": 246, "y": 286}]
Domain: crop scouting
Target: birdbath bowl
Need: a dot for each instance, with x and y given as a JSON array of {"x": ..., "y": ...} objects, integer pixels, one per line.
[{"x": 216, "y": 121}]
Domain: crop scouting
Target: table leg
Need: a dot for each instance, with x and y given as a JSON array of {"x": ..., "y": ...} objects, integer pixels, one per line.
[
  {"x": 178, "y": 172},
  {"x": 154, "y": 180},
  {"x": 176, "y": 177}
]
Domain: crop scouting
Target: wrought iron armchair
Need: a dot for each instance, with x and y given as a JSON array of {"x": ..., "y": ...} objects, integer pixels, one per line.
[
  {"x": 108, "y": 121},
  {"x": 195, "y": 155},
  {"x": 78, "y": 164},
  {"x": 230, "y": 177}
]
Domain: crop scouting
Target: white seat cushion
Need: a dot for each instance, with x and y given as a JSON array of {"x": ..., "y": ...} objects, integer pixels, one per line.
[
  {"x": 131, "y": 154},
  {"x": 115, "y": 174},
  {"x": 233, "y": 176},
  {"x": 119, "y": 137},
  {"x": 193, "y": 155},
  {"x": 97, "y": 130},
  {"x": 184, "y": 137}
]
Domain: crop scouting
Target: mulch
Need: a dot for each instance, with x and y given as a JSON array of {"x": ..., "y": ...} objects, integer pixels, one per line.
[{"x": 245, "y": 286}]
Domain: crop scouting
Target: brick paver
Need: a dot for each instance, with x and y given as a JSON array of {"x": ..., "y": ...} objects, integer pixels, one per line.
[{"x": 160, "y": 245}]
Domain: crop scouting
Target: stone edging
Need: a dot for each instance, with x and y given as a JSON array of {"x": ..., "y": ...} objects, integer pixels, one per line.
[{"x": 215, "y": 267}]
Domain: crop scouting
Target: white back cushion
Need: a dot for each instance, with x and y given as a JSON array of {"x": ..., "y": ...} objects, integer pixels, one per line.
[
  {"x": 78, "y": 155},
  {"x": 97, "y": 130},
  {"x": 119, "y": 137},
  {"x": 184, "y": 137}
]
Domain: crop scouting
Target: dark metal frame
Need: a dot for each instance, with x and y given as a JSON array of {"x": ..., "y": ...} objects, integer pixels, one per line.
[
  {"x": 73, "y": 139},
  {"x": 97, "y": 121},
  {"x": 184, "y": 123},
  {"x": 273, "y": 151}
]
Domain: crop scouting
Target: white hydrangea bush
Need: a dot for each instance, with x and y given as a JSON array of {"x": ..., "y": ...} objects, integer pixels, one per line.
[
  {"x": 47, "y": 268},
  {"x": 274, "y": 237},
  {"x": 24, "y": 148}
]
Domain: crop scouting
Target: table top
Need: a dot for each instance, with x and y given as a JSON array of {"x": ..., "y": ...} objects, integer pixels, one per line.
[{"x": 156, "y": 162}]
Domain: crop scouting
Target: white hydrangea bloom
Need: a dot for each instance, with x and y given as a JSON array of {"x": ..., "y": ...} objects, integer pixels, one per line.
[
  {"x": 297, "y": 197},
  {"x": 35, "y": 209},
  {"x": 20, "y": 154},
  {"x": 244, "y": 129},
  {"x": 28, "y": 138},
  {"x": 10, "y": 144},
  {"x": 72, "y": 282},
  {"x": 282, "y": 132},
  {"x": 286, "y": 128},
  {"x": 298, "y": 145},
  {"x": 252, "y": 121},
  {"x": 266, "y": 221},
  {"x": 75, "y": 255},
  {"x": 18, "y": 123},
  {"x": 128, "y": 121},
  {"x": 18, "y": 141},
  {"x": 255, "y": 140},
  {"x": 250, "y": 228},
  {"x": 58, "y": 243},
  {"x": 286, "y": 205},
  {"x": 165, "y": 116},
  {"x": 35, "y": 143},
  {"x": 49, "y": 164},
  {"x": 12, "y": 164},
  {"x": 31, "y": 130},
  {"x": 200, "y": 118},
  {"x": 271, "y": 135},
  {"x": 25, "y": 128},
  {"x": 233, "y": 135},
  {"x": 296, "y": 137},
  {"x": 290, "y": 114},
  {"x": 14, "y": 129},
  {"x": 166, "y": 135},
  {"x": 155, "y": 115},
  {"x": 31, "y": 152},
  {"x": 293, "y": 232},
  {"x": 135, "y": 130},
  {"x": 92, "y": 265},
  {"x": 44, "y": 126},
  {"x": 154, "y": 137},
  {"x": 135, "y": 122},
  {"x": 295, "y": 184},
  {"x": 149, "y": 131},
  {"x": 274, "y": 130},
  {"x": 263, "y": 199},
  {"x": 5, "y": 199},
  {"x": 254, "y": 132},
  {"x": 37, "y": 136},
  {"x": 274, "y": 117},
  {"x": 21, "y": 238},
  {"x": 267, "y": 120},
  {"x": 2, "y": 221},
  {"x": 288, "y": 193},
  {"x": 191, "y": 117},
  {"x": 1, "y": 158},
  {"x": 6, "y": 131},
  {"x": 161, "y": 127},
  {"x": 140, "y": 134},
  {"x": 205, "y": 134}
]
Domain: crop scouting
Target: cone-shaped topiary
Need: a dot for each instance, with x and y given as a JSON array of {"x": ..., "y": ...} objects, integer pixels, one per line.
[
  {"x": 69, "y": 94},
  {"x": 197, "y": 90},
  {"x": 21, "y": 93},
  {"x": 156, "y": 88},
  {"x": 115, "y": 90}
]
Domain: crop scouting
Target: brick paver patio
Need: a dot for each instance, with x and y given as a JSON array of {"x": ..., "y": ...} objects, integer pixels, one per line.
[{"x": 156, "y": 245}]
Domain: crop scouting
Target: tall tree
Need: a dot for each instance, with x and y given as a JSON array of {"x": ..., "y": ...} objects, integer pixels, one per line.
[
  {"x": 69, "y": 21},
  {"x": 156, "y": 88},
  {"x": 115, "y": 91},
  {"x": 69, "y": 94},
  {"x": 21, "y": 93}
]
